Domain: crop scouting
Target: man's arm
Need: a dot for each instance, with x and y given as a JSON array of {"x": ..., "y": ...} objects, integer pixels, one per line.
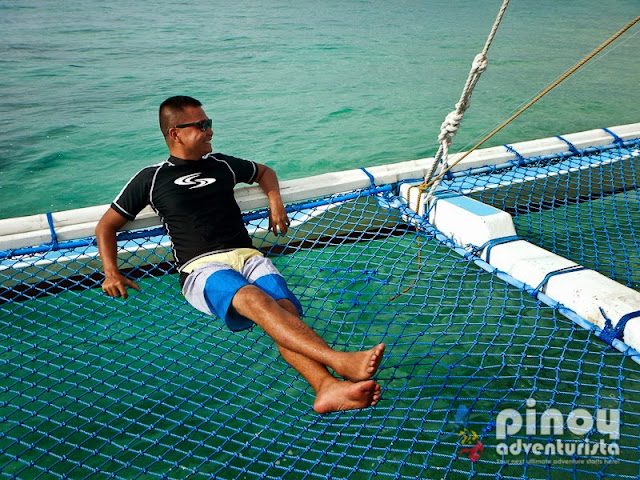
[
  {"x": 115, "y": 284},
  {"x": 268, "y": 181}
]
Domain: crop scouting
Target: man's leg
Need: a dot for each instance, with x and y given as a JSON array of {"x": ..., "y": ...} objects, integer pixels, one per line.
[
  {"x": 331, "y": 394},
  {"x": 292, "y": 334}
]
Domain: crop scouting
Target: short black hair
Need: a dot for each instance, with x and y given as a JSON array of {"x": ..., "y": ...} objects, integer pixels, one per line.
[{"x": 171, "y": 108}]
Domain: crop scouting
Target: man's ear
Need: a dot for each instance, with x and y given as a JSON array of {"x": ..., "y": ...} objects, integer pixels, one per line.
[{"x": 173, "y": 135}]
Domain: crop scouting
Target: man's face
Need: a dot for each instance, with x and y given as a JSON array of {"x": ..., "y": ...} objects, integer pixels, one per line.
[{"x": 195, "y": 142}]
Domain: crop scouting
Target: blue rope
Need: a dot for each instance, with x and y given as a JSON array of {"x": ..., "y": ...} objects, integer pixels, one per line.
[
  {"x": 572, "y": 148},
  {"x": 521, "y": 160},
  {"x": 609, "y": 332},
  {"x": 371, "y": 179},
  {"x": 492, "y": 243},
  {"x": 52, "y": 230},
  {"x": 573, "y": 268},
  {"x": 616, "y": 139}
]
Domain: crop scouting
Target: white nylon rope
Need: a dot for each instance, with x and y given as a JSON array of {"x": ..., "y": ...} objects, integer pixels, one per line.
[
  {"x": 452, "y": 121},
  {"x": 433, "y": 183}
]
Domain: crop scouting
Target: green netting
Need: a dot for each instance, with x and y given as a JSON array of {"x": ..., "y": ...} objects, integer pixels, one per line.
[{"x": 93, "y": 387}]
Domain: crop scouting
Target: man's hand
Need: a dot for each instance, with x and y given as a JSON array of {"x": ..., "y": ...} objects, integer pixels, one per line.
[
  {"x": 115, "y": 285},
  {"x": 278, "y": 218}
]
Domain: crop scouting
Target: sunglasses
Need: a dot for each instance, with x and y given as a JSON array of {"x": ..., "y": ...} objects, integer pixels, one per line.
[{"x": 202, "y": 124}]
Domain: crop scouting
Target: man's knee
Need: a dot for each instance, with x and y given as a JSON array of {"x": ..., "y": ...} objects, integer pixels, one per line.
[
  {"x": 288, "y": 305},
  {"x": 250, "y": 297}
]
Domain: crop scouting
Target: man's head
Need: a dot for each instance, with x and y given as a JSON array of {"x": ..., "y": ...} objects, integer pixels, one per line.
[{"x": 186, "y": 128}]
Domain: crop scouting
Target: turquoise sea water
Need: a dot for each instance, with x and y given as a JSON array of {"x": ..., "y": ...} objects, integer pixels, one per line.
[{"x": 306, "y": 86}]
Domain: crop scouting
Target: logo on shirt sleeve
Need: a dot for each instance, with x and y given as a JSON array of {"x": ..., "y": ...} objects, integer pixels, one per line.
[{"x": 192, "y": 181}]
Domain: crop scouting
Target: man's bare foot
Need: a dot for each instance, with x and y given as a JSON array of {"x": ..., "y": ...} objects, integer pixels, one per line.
[
  {"x": 359, "y": 366},
  {"x": 338, "y": 395}
]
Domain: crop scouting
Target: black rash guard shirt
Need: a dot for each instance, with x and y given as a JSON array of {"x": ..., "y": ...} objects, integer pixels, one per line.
[{"x": 195, "y": 201}]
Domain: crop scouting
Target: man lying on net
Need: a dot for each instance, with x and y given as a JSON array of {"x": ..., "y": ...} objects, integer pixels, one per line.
[{"x": 220, "y": 271}]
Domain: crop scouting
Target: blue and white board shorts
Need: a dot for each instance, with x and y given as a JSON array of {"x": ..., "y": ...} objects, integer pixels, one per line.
[{"x": 214, "y": 280}]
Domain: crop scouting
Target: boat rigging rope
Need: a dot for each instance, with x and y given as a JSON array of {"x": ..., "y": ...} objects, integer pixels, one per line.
[
  {"x": 431, "y": 184},
  {"x": 452, "y": 121}
]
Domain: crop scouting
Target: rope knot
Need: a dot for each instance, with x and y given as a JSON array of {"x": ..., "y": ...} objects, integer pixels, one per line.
[
  {"x": 480, "y": 63},
  {"x": 450, "y": 126}
]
